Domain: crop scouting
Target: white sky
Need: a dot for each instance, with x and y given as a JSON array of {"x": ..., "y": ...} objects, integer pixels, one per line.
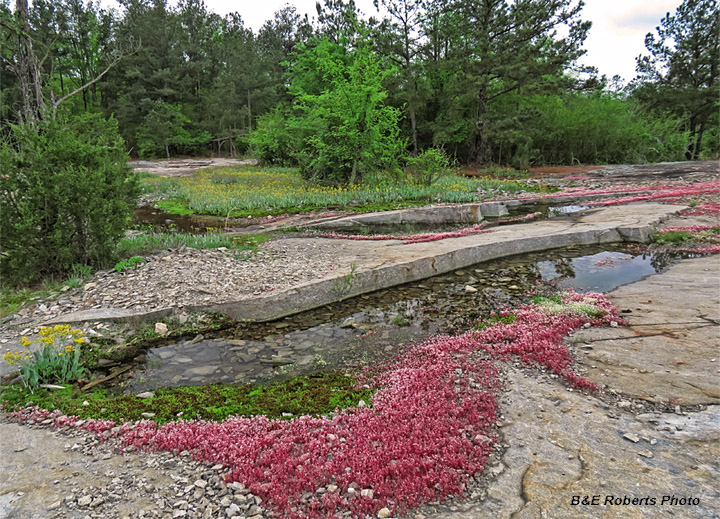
[{"x": 617, "y": 36}]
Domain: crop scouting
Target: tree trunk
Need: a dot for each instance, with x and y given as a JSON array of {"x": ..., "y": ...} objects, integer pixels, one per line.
[
  {"x": 698, "y": 142},
  {"x": 481, "y": 128},
  {"x": 28, "y": 69},
  {"x": 250, "y": 121},
  {"x": 413, "y": 125},
  {"x": 690, "y": 151}
]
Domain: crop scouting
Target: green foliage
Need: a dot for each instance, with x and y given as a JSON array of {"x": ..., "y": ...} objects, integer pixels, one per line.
[
  {"x": 672, "y": 237},
  {"x": 429, "y": 166},
  {"x": 685, "y": 237},
  {"x": 173, "y": 206},
  {"x": 13, "y": 298},
  {"x": 486, "y": 81},
  {"x": 494, "y": 319},
  {"x": 237, "y": 192},
  {"x": 501, "y": 47},
  {"x": 56, "y": 359},
  {"x": 66, "y": 193},
  {"x": 345, "y": 130},
  {"x": 129, "y": 264},
  {"x": 587, "y": 128},
  {"x": 543, "y": 299},
  {"x": 273, "y": 141},
  {"x": 681, "y": 74},
  {"x": 164, "y": 129},
  {"x": 314, "y": 394}
]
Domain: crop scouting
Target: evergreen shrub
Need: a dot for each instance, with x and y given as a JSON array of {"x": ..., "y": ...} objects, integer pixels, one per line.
[{"x": 66, "y": 195}]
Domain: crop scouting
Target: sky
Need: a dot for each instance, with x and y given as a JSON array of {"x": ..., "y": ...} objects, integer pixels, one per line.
[{"x": 617, "y": 36}]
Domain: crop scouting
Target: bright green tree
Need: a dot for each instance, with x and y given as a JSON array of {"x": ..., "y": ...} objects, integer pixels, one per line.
[{"x": 345, "y": 129}]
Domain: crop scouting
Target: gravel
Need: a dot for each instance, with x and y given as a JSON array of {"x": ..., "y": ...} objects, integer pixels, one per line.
[{"x": 185, "y": 277}]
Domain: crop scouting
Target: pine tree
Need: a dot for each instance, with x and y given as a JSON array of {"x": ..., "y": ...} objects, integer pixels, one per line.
[{"x": 680, "y": 75}]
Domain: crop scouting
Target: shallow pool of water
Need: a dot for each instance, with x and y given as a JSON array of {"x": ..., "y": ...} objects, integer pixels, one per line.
[
  {"x": 372, "y": 327},
  {"x": 540, "y": 212},
  {"x": 149, "y": 218},
  {"x": 601, "y": 272}
]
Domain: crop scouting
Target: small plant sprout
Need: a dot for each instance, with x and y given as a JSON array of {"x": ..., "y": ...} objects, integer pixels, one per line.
[{"x": 131, "y": 263}]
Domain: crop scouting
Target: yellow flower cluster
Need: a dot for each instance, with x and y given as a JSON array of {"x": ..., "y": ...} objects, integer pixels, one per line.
[
  {"x": 61, "y": 335},
  {"x": 13, "y": 357},
  {"x": 58, "y": 333}
]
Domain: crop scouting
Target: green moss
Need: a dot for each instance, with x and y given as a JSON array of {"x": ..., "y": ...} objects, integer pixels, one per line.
[
  {"x": 486, "y": 323},
  {"x": 174, "y": 207},
  {"x": 315, "y": 394},
  {"x": 672, "y": 237},
  {"x": 543, "y": 299}
]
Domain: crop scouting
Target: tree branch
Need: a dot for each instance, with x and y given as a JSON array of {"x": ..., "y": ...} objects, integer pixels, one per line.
[{"x": 89, "y": 83}]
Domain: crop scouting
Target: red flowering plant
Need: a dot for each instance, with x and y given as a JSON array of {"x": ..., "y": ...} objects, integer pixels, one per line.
[
  {"x": 535, "y": 334},
  {"x": 413, "y": 238},
  {"x": 428, "y": 431},
  {"x": 666, "y": 191}
]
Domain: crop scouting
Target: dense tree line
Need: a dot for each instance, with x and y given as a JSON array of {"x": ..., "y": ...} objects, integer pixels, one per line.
[{"x": 487, "y": 81}]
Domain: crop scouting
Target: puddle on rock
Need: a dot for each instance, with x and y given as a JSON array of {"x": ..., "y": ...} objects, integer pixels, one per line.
[
  {"x": 372, "y": 327},
  {"x": 542, "y": 211},
  {"x": 148, "y": 217}
]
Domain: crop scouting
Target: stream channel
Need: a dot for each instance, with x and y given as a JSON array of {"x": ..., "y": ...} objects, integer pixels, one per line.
[
  {"x": 149, "y": 218},
  {"x": 372, "y": 327}
]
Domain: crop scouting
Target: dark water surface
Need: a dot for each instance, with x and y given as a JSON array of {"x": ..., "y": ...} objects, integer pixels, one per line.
[{"x": 372, "y": 327}]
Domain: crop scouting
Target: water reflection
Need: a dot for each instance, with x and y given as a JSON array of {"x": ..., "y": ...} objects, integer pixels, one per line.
[
  {"x": 600, "y": 272},
  {"x": 370, "y": 327}
]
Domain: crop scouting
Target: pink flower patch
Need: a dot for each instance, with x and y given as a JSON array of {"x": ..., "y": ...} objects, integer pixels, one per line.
[
  {"x": 413, "y": 238},
  {"x": 688, "y": 228},
  {"x": 703, "y": 209},
  {"x": 427, "y": 432}
]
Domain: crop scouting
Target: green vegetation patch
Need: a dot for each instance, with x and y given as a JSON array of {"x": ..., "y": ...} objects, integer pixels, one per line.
[
  {"x": 315, "y": 394},
  {"x": 239, "y": 192},
  {"x": 673, "y": 237},
  {"x": 709, "y": 235},
  {"x": 14, "y": 298},
  {"x": 173, "y": 206},
  {"x": 493, "y": 319}
]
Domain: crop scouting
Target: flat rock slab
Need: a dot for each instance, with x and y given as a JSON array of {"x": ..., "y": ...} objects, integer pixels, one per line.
[
  {"x": 39, "y": 470},
  {"x": 374, "y": 265},
  {"x": 565, "y": 447},
  {"x": 669, "y": 352},
  {"x": 185, "y": 168}
]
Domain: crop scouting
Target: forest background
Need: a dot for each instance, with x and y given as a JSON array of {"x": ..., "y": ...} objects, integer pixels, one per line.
[
  {"x": 484, "y": 81},
  {"x": 382, "y": 104}
]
